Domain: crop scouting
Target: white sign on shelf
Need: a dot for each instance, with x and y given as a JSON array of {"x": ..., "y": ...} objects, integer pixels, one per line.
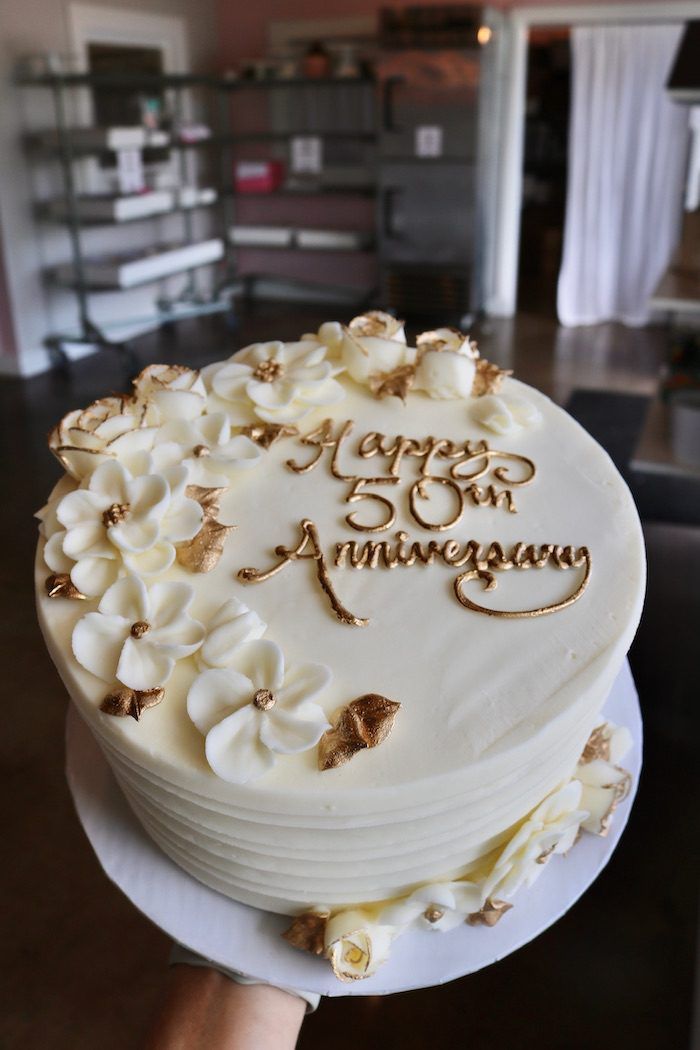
[
  {"x": 130, "y": 171},
  {"x": 428, "y": 140},
  {"x": 307, "y": 155}
]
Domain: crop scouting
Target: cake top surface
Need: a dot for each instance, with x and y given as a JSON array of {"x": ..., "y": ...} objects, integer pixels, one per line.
[{"x": 398, "y": 540}]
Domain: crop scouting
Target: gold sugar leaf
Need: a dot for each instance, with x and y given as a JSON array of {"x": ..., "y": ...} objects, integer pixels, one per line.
[
  {"x": 365, "y": 722},
  {"x": 307, "y": 932},
  {"x": 60, "y": 585},
  {"x": 597, "y": 746},
  {"x": 123, "y": 701},
  {"x": 209, "y": 499},
  {"x": 202, "y": 552},
  {"x": 393, "y": 384},
  {"x": 149, "y": 697},
  {"x": 489, "y": 914},
  {"x": 266, "y": 434},
  {"x": 488, "y": 378}
]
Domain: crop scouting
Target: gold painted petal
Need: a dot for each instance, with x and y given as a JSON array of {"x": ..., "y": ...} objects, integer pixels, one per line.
[
  {"x": 597, "y": 746},
  {"x": 202, "y": 553},
  {"x": 489, "y": 913},
  {"x": 266, "y": 434},
  {"x": 447, "y": 339},
  {"x": 209, "y": 499},
  {"x": 132, "y": 702},
  {"x": 488, "y": 378},
  {"x": 376, "y": 323},
  {"x": 60, "y": 585},
  {"x": 393, "y": 384},
  {"x": 307, "y": 932},
  {"x": 602, "y": 801},
  {"x": 365, "y": 722}
]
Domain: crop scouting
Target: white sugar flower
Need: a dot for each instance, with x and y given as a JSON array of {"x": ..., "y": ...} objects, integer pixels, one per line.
[
  {"x": 330, "y": 335},
  {"x": 111, "y": 428},
  {"x": 375, "y": 343},
  {"x": 436, "y": 906},
  {"x": 256, "y": 709},
  {"x": 445, "y": 376},
  {"x": 506, "y": 414},
  {"x": 232, "y": 624},
  {"x": 170, "y": 392},
  {"x": 450, "y": 339},
  {"x": 54, "y": 533},
  {"x": 120, "y": 520},
  {"x": 604, "y": 782},
  {"x": 551, "y": 828},
  {"x": 446, "y": 363},
  {"x": 206, "y": 447},
  {"x": 137, "y": 634},
  {"x": 276, "y": 382},
  {"x": 355, "y": 945}
]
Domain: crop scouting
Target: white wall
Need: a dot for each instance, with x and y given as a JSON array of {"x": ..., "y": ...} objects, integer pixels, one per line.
[{"x": 31, "y": 27}]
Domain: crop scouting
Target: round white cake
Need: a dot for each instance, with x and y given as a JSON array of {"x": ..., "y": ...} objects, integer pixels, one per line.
[{"x": 412, "y": 528}]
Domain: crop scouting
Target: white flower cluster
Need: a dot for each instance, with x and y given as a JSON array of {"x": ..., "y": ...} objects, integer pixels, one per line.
[
  {"x": 358, "y": 941},
  {"x": 247, "y": 703},
  {"x": 139, "y": 465},
  {"x": 442, "y": 364},
  {"x": 133, "y": 457}
]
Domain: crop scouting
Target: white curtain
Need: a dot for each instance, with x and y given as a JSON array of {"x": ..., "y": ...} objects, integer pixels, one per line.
[{"x": 627, "y": 154}]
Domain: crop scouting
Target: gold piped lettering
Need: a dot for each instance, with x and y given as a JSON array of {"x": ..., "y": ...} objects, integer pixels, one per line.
[{"x": 481, "y": 565}]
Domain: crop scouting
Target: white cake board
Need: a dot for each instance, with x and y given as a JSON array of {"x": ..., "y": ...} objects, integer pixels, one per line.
[{"x": 248, "y": 940}]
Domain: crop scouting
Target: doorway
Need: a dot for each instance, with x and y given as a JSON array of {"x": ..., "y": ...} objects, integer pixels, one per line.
[{"x": 548, "y": 93}]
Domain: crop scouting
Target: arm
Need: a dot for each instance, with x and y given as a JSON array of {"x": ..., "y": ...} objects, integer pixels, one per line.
[{"x": 204, "y": 1010}]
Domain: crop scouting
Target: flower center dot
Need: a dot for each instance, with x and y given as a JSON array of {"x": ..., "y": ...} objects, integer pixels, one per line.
[
  {"x": 114, "y": 514},
  {"x": 201, "y": 450},
  {"x": 354, "y": 955},
  {"x": 433, "y": 913},
  {"x": 139, "y": 628},
  {"x": 264, "y": 700},
  {"x": 268, "y": 371}
]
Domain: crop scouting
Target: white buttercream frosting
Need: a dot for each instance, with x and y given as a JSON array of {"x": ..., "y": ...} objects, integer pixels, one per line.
[
  {"x": 256, "y": 709},
  {"x": 551, "y": 828},
  {"x": 374, "y": 343},
  {"x": 506, "y": 413},
  {"x": 603, "y": 782},
  {"x": 109, "y": 429},
  {"x": 170, "y": 392},
  {"x": 212, "y": 454},
  {"x": 439, "y": 906},
  {"x": 232, "y": 624},
  {"x": 137, "y": 633},
  {"x": 276, "y": 382},
  {"x": 447, "y": 813},
  {"x": 445, "y": 374},
  {"x": 356, "y": 946},
  {"x": 330, "y": 335},
  {"x": 122, "y": 522}
]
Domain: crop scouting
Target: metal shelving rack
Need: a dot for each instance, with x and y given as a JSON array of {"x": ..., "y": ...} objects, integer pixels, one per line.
[
  {"x": 365, "y": 136},
  {"x": 189, "y": 302},
  {"x": 226, "y": 140}
]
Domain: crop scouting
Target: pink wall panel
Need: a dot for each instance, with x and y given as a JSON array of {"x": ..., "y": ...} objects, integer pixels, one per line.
[{"x": 244, "y": 26}]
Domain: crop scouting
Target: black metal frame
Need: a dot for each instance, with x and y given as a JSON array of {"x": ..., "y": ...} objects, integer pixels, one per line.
[{"x": 89, "y": 332}]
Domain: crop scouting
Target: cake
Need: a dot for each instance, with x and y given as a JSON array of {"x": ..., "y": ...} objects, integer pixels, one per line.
[{"x": 342, "y": 614}]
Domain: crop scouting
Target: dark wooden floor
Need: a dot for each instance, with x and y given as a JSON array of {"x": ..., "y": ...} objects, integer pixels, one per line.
[{"x": 84, "y": 969}]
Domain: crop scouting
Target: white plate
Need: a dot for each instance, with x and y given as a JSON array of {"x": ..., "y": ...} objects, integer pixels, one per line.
[{"x": 248, "y": 940}]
